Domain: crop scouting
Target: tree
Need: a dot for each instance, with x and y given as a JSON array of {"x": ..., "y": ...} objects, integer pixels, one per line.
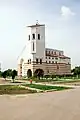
[
  {"x": 14, "y": 74},
  {"x": 4, "y": 74},
  {"x": 0, "y": 74},
  {"x": 9, "y": 72},
  {"x": 39, "y": 73},
  {"x": 76, "y": 71}
]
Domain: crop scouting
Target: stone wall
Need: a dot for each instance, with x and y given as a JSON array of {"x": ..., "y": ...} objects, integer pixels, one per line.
[{"x": 59, "y": 68}]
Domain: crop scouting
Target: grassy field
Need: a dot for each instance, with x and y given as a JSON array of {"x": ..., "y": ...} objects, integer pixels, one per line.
[
  {"x": 45, "y": 87},
  {"x": 14, "y": 89}
]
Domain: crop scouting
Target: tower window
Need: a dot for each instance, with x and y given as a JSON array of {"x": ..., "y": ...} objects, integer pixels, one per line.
[
  {"x": 28, "y": 61},
  {"x": 37, "y": 60},
  {"x": 40, "y": 61},
  {"x": 33, "y": 36},
  {"x": 38, "y": 36},
  {"x": 33, "y": 46},
  {"x": 29, "y": 37}
]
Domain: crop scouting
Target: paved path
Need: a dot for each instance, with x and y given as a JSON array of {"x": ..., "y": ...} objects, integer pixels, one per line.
[{"x": 61, "y": 105}]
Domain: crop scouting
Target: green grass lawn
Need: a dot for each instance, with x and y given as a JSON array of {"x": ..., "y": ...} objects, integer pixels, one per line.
[
  {"x": 45, "y": 87},
  {"x": 14, "y": 89}
]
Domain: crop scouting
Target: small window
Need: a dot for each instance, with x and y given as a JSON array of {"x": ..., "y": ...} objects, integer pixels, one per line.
[
  {"x": 52, "y": 61},
  {"x": 52, "y": 58},
  {"x": 49, "y": 61},
  {"x": 46, "y": 61},
  {"x": 33, "y": 36},
  {"x": 56, "y": 58},
  {"x": 29, "y": 37},
  {"x": 37, "y": 60},
  {"x": 57, "y": 67},
  {"x": 47, "y": 71},
  {"x": 49, "y": 57},
  {"x": 49, "y": 52},
  {"x": 28, "y": 61},
  {"x": 40, "y": 61},
  {"x": 60, "y": 53},
  {"x": 33, "y": 46},
  {"x": 38, "y": 36},
  {"x": 46, "y": 57},
  {"x": 55, "y": 53},
  {"x": 56, "y": 62}
]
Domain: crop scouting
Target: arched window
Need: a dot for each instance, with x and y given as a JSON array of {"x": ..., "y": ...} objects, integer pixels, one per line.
[
  {"x": 33, "y": 46},
  {"x": 37, "y": 60},
  {"x": 38, "y": 36},
  {"x": 33, "y": 36},
  {"x": 40, "y": 61},
  {"x": 56, "y": 62},
  {"x": 29, "y": 37},
  {"x": 52, "y": 61},
  {"x": 54, "y": 52},
  {"x": 30, "y": 61},
  {"x": 49, "y": 62}
]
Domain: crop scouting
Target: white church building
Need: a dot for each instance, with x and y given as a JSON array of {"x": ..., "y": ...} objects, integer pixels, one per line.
[{"x": 36, "y": 57}]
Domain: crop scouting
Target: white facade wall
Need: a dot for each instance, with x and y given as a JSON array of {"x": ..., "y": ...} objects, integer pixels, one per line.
[
  {"x": 40, "y": 44},
  {"x": 58, "y": 60},
  {"x": 67, "y": 60},
  {"x": 51, "y": 59}
]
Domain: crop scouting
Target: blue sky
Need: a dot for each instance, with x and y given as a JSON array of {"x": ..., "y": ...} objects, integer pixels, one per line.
[{"x": 62, "y": 20}]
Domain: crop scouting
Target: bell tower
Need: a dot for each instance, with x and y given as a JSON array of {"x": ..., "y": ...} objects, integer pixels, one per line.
[{"x": 36, "y": 41}]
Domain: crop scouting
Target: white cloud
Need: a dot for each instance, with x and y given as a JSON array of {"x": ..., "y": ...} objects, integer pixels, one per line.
[{"x": 66, "y": 12}]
